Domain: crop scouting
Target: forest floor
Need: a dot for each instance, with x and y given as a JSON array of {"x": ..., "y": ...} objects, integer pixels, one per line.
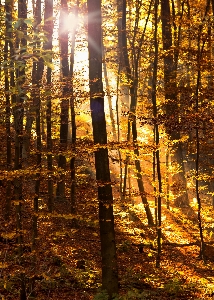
[{"x": 66, "y": 262}]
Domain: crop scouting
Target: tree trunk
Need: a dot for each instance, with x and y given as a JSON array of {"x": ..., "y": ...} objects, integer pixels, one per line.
[
  {"x": 63, "y": 41},
  {"x": 171, "y": 107},
  {"x": 8, "y": 82},
  {"x": 18, "y": 120},
  {"x": 133, "y": 81},
  {"x": 73, "y": 122},
  {"x": 156, "y": 132},
  {"x": 109, "y": 98},
  {"x": 48, "y": 27},
  {"x": 18, "y": 102},
  {"x": 37, "y": 73},
  {"x": 197, "y": 104},
  {"x": 106, "y": 216}
]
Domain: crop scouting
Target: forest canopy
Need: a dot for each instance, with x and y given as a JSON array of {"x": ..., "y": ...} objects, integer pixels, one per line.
[{"x": 107, "y": 149}]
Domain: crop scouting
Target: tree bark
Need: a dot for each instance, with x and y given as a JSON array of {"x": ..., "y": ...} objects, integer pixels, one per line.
[
  {"x": 156, "y": 133},
  {"x": 18, "y": 102},
  {"x": 63, "y": 41},
  {"x": 37, "y": 73},
  {"x": 197, "y": 105},
  {"x": 105, "y": 197},
  {"x": 8, "y": 82},
  {"x": 48, "y": 27},
  {"x": 73, "y": 121},
  {"x": 18, "y": 120}
]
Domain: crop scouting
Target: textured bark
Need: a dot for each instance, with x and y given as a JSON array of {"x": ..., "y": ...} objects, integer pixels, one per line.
[
  {"x": 197, "y": 106},
  {"x": 18, "y": 122},
  {"x": 48, "y": 27},
  {"x": 8, "y": 82},
  {"x": 202, "y": 246},
  {"x": 121, "y": 26},
  {"x": 63, "y": 41},
  {"x": 105, "y": 197},
  {"x": 156, "y": 133},
  {"x": 37, "y": 73},
  {"x": 73, "y": 121}
]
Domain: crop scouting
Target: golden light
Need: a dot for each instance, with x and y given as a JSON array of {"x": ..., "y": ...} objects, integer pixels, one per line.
[{"x": 70, "y": 22}]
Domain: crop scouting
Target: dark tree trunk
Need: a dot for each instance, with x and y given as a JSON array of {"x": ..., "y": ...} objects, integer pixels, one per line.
[
  {"x": 73, "y": 122},
  {"x": 18, "y": 120},
  {"x": 156, "y": 132},
  {"x": 198, "y": 153},
  {"x": 48, "y": 27},
  {"x": 8, "y": 49},
  {"x": 106, "y": 216},
  {"x": 121, "y": 26},
  {"x": 63, "y": 40},
  {"x": 197, "y": 105},
  {"x": 18, "y": 102},
  {"x": 38, "y": 67}
]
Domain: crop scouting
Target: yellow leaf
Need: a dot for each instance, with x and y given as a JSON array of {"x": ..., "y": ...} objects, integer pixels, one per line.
[
  {"x": 9, "y": 235},
  {"x": 45, "y": 276},
  {"x": 3, "y": 265}
]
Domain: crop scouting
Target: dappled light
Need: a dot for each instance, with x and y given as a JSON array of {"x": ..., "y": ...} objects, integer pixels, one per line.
[{"x": 107, "y": 150}]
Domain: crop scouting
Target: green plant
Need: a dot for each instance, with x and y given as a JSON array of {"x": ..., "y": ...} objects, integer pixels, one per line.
[
  {"x": 101, "y": 295},
  {"x": 174, "y": 286}
]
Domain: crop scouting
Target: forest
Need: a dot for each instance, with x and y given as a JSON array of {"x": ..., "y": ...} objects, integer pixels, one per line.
[{"x": 106, "y": 149}]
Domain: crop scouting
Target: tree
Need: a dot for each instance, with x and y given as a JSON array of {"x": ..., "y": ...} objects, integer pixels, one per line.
[
  {"x": 133, "y": 81},
  {"x": 18, "y": 102},
  {"x": 37, "y": 73},
  {"x": 9, "y": 81},
  {"x": 105, "y": 197},
  {"x": 156, "y": 132},
  {"x": 73, "y": 115},
  {"x": 171, "y": 106},
  {"x": 48, "y": 27},
  {"x": 63, "y": 38}
]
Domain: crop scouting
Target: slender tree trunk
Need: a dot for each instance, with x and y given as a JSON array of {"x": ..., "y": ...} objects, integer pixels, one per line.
[
  {"x": 48, "y": 27},
  {"x": 197, "y": 159},
  {"x": 133, "y": 80},
  {"x": 172, "y": 113},
  {"x": 167, "y": 178},
  {"x": 106, "y": 216},
  {"x": 63, "y": 40},
  {"x": 124, "y": 89},
  {"x": 8, "y": 78},
  {"x": 18, "y": 120},
  {"x": 18, "y": 101},
  {"x": 156, "y": 131},
  {"x": 199, "y": 65},
  {"x": 37, "y": 73},
  {"x": 211, "y": 85},
  {"x": 73, "y": 121},
  {"x": 109, "y": 98},
  {"x": 118, "y": 135}
]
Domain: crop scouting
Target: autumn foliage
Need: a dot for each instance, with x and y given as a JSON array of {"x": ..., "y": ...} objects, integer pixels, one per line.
[{"x": 106, "y": 149}]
